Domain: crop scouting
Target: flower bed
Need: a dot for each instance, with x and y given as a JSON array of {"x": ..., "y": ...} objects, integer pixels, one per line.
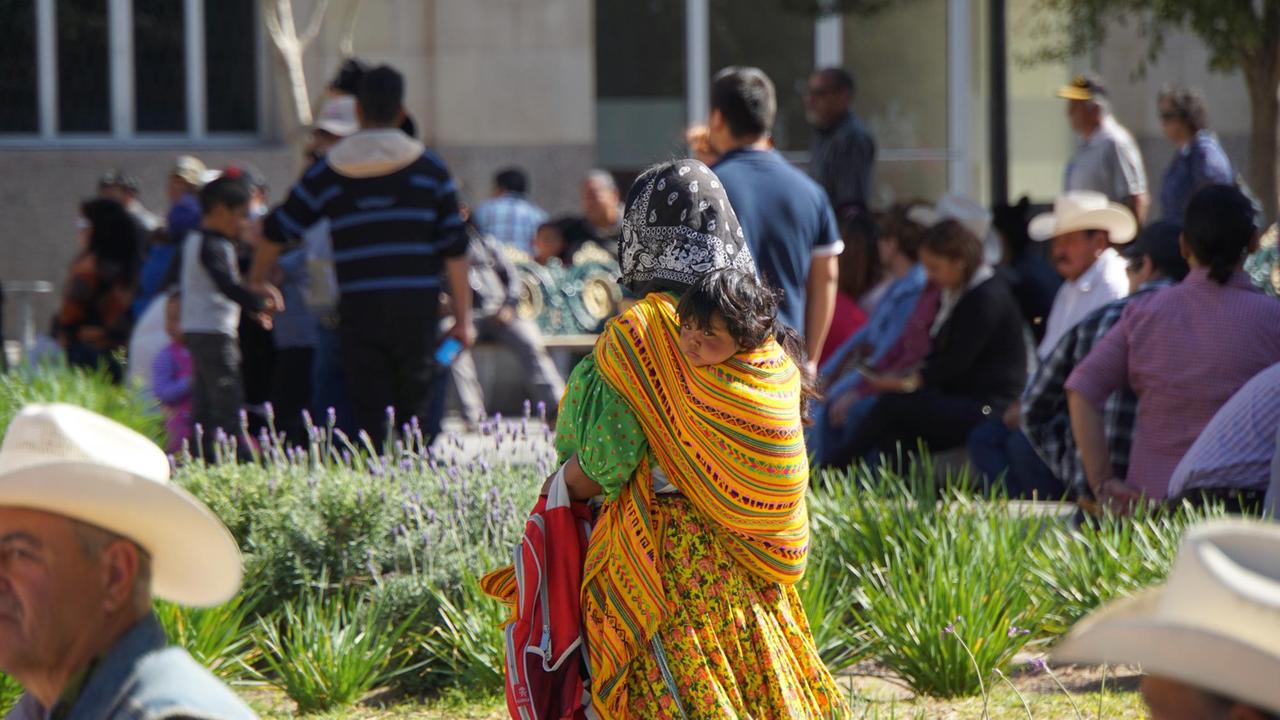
[{"x": 361, "y": 566}]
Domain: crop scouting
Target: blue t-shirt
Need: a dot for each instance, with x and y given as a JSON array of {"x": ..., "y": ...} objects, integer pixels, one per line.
[{"x": 787, "y": 219}]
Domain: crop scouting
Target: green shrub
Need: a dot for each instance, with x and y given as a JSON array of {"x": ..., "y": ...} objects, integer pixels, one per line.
[
  {"x": 959, "y": 573},
  {"x": 412, "y": 597},
  {"x": 1077, "y": 570},
  {"x": 219, "y": 638},
  {"x": 327, "y": 651},
  {"x": 89, "y": 389},
  {"x": 465, "y": 648},
  {"x": 10, "y": 692}
]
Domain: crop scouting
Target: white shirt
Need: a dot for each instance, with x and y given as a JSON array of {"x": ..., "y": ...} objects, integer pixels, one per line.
[{"x": 1103, "y": 282}]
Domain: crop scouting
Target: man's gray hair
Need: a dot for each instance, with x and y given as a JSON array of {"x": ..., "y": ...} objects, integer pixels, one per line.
[
  {"x": 603, "y": 177},
  {"x": 94, "y": 540}
]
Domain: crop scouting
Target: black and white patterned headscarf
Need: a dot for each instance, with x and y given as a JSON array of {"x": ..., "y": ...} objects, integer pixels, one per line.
[{"x": 678, "y": 226}]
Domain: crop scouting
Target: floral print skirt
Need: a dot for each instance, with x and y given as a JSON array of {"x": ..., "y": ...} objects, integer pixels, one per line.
[{"x": 737, "y": 646}]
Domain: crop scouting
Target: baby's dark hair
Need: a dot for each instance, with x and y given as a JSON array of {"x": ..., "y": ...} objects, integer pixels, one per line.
[{"x": 750, "y": 312}]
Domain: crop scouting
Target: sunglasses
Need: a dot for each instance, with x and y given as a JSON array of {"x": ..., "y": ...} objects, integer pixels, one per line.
[{"x": 1170, "y": 116}]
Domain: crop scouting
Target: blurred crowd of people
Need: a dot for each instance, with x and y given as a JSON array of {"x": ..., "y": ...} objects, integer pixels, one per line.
[{"x": 1070, "y": 349}]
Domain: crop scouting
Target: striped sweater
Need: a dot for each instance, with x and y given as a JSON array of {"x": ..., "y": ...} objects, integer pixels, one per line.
[{"x": 392, "y": 209}]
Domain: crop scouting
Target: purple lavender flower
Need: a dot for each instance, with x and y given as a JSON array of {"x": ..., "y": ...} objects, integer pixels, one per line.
[
  {"x": 1038, "y": 664},
  {"x": 528, "y": 408},
  {"x": 332, "y": 416}
]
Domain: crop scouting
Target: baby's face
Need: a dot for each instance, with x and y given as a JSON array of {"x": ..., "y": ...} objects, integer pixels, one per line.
[{"x": 708, "y": 345}]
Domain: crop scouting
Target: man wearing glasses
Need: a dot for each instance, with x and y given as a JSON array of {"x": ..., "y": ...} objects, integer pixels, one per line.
[{"x": 843, "y": 151}]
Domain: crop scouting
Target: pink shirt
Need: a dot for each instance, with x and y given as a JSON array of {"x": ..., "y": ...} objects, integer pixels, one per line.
[
  {"x": 846, "y": 321},
  {"x": 1185, "y": 351}
]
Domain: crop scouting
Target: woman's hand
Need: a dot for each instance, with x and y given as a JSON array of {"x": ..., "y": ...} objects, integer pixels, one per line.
[
  {"x": 893, "y": 384},
  {"x": 1120, "y": 497},
  {"x": 838, "y": 412}
]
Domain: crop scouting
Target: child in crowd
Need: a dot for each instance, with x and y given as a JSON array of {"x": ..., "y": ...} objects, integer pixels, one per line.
[
  {"x": 171, "y": 375},
  {"x": 727, "y": 312},
  {"x": 213, "y": 297}
]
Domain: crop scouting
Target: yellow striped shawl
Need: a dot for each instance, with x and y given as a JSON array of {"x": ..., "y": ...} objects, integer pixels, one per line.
[{"x": 729, "y": 437}]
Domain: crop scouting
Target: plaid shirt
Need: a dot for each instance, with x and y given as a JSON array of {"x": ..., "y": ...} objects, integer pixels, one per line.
[
  {"x": 512, "y": 219},
  {"x": 1045, "y": 418}
]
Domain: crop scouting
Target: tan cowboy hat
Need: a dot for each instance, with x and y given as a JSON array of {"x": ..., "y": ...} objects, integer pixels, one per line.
[
  {"x": 1213, "y": 625},
  {"x": 975, "y": 218},
  {"x": 68, "y": 461},
  {"x": 1084, "y": 210}
]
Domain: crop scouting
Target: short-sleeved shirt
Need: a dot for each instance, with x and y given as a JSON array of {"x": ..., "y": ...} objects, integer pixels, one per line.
[
  {"x": 787, "y": 219},
  {"x": 1108, "y": 161},
  {"x": 1185, "y": 351}
]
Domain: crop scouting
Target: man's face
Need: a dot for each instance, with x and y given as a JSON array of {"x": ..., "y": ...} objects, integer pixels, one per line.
[
  {"x": 599, "y": 203},
  {"x": 231, "y": 222},
  {"x": 824, "y": 101},
  {"x": 177, "y": 188},
  {"x": 50, "y": 590},
  {"x": 1171, "y": 700},
  {"x": 1082, "y": 116},
  {"x": 1075, "y": 252}
]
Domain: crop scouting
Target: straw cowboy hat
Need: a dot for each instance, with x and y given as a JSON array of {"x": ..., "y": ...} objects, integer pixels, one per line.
[
  {"x": 68, "y": 461},
  {"x": 1214, "y": 625},
  {"x": 1084, "y": 210},
  {"x": 975, "y": 218}
]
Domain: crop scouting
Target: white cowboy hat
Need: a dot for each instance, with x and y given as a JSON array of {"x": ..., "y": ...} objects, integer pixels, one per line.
[
  {"x": 1084, "y": 210},
  {"x": 68, "y": 461},
  {"x": 1213, "y": 625},
  {"x": 975, "y": 218}
]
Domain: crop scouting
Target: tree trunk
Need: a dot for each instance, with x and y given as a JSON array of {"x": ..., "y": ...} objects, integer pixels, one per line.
[{"x": 1260, "y": 77}]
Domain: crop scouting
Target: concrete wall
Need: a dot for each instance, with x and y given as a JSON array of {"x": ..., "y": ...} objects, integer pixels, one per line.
[{"x": 490, "y": 84}]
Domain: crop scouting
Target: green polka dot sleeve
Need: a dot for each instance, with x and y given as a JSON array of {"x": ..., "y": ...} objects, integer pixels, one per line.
[{"x": 597, "y": 424}]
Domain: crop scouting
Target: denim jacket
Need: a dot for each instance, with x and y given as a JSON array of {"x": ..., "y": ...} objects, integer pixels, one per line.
[{"x": 141, "y": 679}]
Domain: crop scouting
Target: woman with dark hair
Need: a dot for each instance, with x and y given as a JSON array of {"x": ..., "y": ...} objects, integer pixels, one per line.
[
  {"x": 1199, "y": 160},
  {"x": 94, "y": 321},
  {"x": 1184, "y": 351},
  {"x": 976, "y": 367},
  {"x": 688, "y": 595}
]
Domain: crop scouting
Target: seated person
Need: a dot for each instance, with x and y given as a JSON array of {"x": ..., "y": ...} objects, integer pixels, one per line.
[
  {"x": 1231, "y": 460},
  {"x": 1031, "y": 450},
  {"x": 560, "y": 239},
  {"x": 976, "y": 368},
  {"x": 1169, "y": 347}
]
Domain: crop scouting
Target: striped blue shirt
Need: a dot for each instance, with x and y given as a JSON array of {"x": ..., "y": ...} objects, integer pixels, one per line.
[{"x": 390, "y": 232}]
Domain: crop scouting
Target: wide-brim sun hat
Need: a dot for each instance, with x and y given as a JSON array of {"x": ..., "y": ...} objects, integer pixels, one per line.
[
  {"x": 1214, "y": 625},
  {"x": 68, "y": 461},
  {"x": 1084, "y": 210}
]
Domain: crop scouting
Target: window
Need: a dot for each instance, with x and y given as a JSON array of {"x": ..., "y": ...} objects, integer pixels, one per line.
[
  {"x": 129, "y": 69},
  {"x": 159, "y": 66},
  {"x": 18, "y": 112},
  {"x": 231, "y": 68},
  {"x": 904, "y": 103},
  {"x": 777, "y": 40},
  {"x": 84, "y": 80},
  {"x": 640, "y": 92}
]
